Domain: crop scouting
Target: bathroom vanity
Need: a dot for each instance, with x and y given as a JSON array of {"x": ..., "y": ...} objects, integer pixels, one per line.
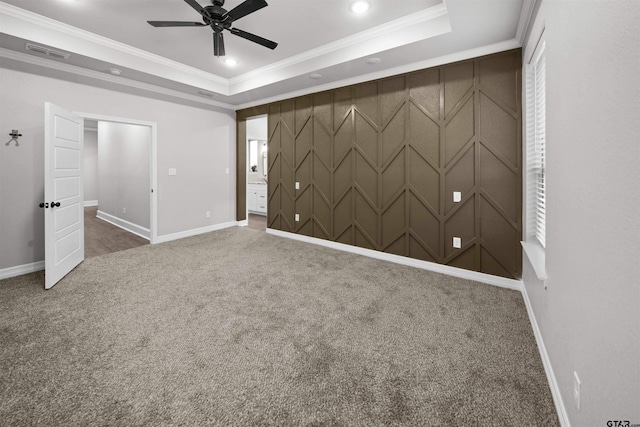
[{"x": 257, "y": 198}]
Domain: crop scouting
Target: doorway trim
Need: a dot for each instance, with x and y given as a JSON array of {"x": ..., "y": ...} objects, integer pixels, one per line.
[
  {"x": 241, "y": 158},
  {"x": 153, "y": 163},
  {"x": 247, "y": 151}
]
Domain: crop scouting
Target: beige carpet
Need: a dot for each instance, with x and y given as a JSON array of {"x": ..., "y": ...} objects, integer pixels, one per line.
[{"x": 241, "y": 328}]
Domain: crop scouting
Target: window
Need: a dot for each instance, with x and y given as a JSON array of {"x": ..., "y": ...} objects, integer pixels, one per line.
[
  {"x": 538, "y": 160},
  {"x": 536, "y": 178}
]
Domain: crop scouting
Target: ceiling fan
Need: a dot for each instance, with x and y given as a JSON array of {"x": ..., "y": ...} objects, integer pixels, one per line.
[{"x": 219, "y": 19}]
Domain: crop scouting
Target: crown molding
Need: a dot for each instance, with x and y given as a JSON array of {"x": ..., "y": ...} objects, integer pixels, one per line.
[
  {"x": 526, "y": 17},
  {"x": 407, "y": 68},
  {"x": 386, "y": 29},
  {"x": 418, "y": 26},
  {"x": 411, "y": 28},
  {"x": 96, "y": 75},
  {"x": 48, "y": 23},
  {"x": 122, "y": 81},
  {"x": 40, "y": 29}
]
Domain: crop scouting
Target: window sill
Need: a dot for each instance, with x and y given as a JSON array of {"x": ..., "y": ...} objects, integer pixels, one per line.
[{"x": 536, "y": 256}]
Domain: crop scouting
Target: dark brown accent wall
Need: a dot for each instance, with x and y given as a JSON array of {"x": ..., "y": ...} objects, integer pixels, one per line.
[{"x": 378, "y": 164}]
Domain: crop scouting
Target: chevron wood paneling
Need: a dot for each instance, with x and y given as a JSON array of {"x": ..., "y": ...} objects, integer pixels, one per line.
[{"x": 377, "y": 164}]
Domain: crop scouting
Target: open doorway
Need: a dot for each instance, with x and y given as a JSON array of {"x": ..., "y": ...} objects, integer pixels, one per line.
[
  {"x": 256, "y": 166},
  {"x": 119, "y": 179}
]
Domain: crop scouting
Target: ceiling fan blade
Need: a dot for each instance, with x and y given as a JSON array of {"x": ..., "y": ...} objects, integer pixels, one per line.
[
  {"x": 176, "y": 24},
  {"x": 194, "y": 4},
  {"x": 245, "y": 8},
  {"x": 218, "y": 43},
  {"x": 256, "y": 39}
]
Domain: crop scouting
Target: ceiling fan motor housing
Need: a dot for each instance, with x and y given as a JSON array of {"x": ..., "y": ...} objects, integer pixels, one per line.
[{"x": 215, "y": 13}]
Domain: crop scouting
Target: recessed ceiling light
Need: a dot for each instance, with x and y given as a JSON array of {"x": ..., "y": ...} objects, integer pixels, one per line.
[
  {"x": 360, "y": 6},
  {"x": 373, "y": 61},
  {"x": 115, "y": 71},
  {"x": 315, "y": 76},
  {"x": 230, "y": 62}
]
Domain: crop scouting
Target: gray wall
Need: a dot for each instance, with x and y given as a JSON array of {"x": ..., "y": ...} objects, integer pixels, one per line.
[
  {"x": 123, "y": 171},
  {"x": 199, "y": 143},
  {"x": 589, "y": 315},
  {"x": 90, "y": 165}
]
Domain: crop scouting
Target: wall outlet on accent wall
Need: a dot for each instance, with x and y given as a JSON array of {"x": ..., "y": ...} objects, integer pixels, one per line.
[
  {"x": 297, "y": 217},
  {"x": 457, "y": 242}
]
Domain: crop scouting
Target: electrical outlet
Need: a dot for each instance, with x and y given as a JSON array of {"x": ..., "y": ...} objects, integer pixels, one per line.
[
  {"x": 297, "y": 185},
  {"x": 457, "y": 196},
  {"x": 207, "y": 214},
  {"x": 173, "y": 171},
  {"x": 124, "y": 210},
  {"x": 297, "y": 217},
  {"x": 457, "y": 242},
  {"x": 226, "y": 171},
  {"x": 576, "y": 390}
]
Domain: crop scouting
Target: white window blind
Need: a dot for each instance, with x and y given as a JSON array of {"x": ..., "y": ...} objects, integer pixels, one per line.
[{"x": 539, "y": 144}]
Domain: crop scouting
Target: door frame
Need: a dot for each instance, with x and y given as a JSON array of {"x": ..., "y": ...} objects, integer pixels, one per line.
[
  {"x": 241, "y": 157},
  {"x": 246, "y": 162},
  {"x": 153, "y": 163}
]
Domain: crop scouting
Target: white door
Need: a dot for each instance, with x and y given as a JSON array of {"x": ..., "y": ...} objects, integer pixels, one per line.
[{"x": 63, "y": 193}]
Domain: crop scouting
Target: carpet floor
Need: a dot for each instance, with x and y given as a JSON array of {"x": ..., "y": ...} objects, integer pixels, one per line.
[{"x": 242, "y": 328}]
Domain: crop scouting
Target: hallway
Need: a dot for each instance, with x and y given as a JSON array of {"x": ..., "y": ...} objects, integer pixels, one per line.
[{"x": 101, "y": 237}]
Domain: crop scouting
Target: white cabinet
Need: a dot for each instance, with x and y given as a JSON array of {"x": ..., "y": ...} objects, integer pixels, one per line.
[{"x": 257, "y": 198}]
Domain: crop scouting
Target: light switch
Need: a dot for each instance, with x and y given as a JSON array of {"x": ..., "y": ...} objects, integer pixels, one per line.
[
  {"x": 226, "y": 171},
  {"x": 457, "y": 242},
  {"x": 457, "y": 196},
  {"x": 173, "y": 171}
]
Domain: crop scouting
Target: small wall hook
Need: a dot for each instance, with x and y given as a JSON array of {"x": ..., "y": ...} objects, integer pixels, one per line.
[{"x": 15, "y": 134}]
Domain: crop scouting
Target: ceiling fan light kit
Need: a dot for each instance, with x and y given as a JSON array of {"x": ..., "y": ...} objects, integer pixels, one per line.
[{"x": 219, "y": 19}]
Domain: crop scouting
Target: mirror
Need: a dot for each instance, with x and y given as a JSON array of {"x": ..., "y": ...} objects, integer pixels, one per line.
[
  {"x": 253, "y": 156},
  {"x": 265, "y": 166}
]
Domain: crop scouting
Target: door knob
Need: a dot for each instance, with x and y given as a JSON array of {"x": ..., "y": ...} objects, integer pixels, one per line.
[
  {"x": 44, "y": 205},
  {"x": 55, "y": 204}
]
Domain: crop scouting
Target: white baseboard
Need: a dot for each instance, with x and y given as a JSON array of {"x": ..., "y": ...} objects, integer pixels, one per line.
[
  {"x": 546, "y": 362},
  {"x": 502, "y": 282},
  {"x": 19, "y": 270},
  {"x": 125, "y": 225},
  {"x": 243, "y": 223},
  {"x": 90, "y": 203},
  {"x": 196, "y": 231}
]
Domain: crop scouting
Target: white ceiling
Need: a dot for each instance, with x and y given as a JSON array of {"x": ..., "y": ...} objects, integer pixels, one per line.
[{"x": 314, "y": 36}]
